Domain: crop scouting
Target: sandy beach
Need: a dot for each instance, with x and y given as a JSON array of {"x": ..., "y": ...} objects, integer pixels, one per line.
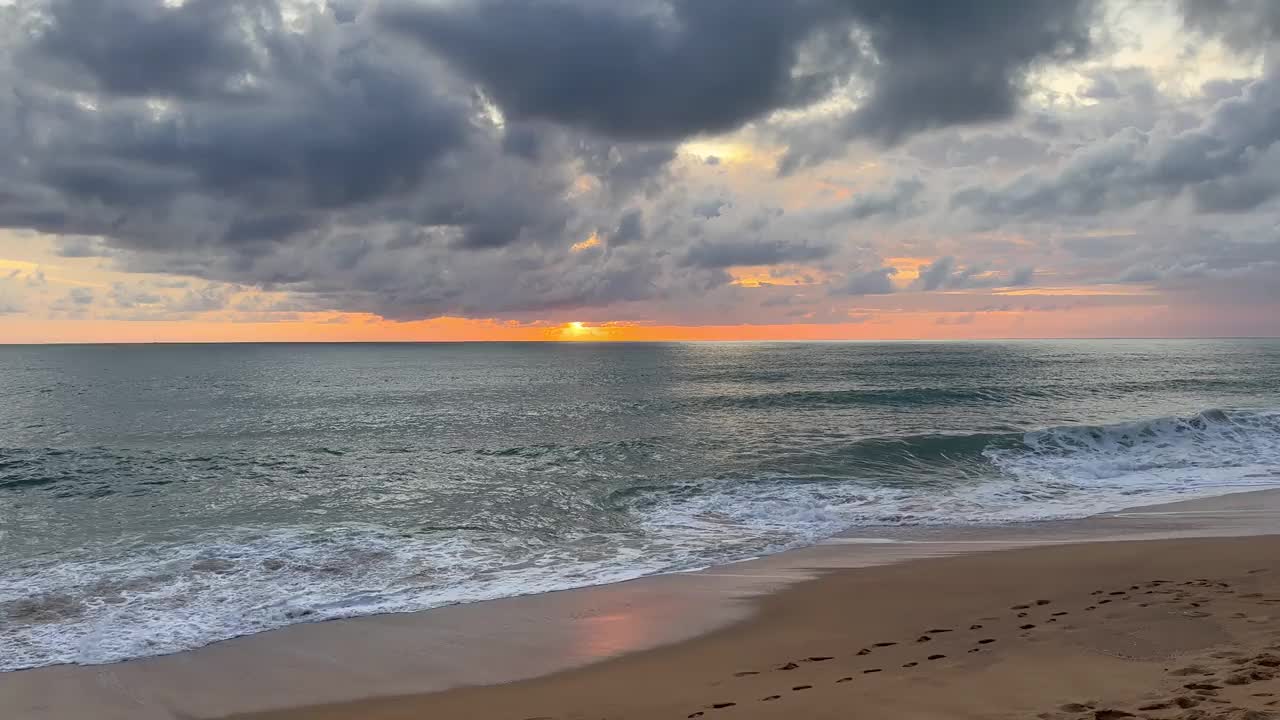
[
  {"x": 1082, "y": 619},
  {"x": 1160, "y": 629}
]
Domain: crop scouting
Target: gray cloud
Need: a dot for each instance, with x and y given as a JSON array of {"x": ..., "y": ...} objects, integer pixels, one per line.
[
  {"x": 938, "y": 64},
  {"x": 1134, "y": 84},
  {"x": 335, "y": 124},
  {"x": 442, "y": 158},
  {"x": 1228, "y": 163},
  {"x": 315, "y": 156},
  {"x": 723, "y": 254},
  {"x": 1243, "y": 24},
  {"x": 663, "y": 70},
  {"x": 75, "y": 303},
  {"x": 79, "y": 246},
  {"x": 898, "y": 201},
  {"x": 709, "y": 209},
  {"x": 954, "y": 149},
  {"x": 141, "y": 48},
  {"x": 124, "y": 296},
  {"x": 630, "y": 228},
  {"x": 9, "y": 304},
  {"x": 652, "y": 70},
  {"x": 946, "y": 274},
  {"x": 871, "y": 282}
]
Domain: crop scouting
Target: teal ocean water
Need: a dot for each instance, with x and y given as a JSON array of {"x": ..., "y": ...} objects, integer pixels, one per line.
[{"x": 159, "y": 498}]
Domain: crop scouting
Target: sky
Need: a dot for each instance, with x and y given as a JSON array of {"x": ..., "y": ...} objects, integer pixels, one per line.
[{"x": 325, "y": 170}]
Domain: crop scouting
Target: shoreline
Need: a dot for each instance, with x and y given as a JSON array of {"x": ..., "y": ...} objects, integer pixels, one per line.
[
  {"x": 530, "y": 639},
  {"x": 1159, "y": 629}
]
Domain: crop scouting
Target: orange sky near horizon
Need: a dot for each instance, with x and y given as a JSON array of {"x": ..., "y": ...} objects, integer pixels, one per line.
[{"x": 1148, "y": 321}]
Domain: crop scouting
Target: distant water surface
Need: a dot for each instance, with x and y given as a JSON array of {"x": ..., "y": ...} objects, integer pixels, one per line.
[{"x": 158, "y": 498}]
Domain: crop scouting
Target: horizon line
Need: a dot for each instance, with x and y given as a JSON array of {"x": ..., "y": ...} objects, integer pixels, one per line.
[{"x": 637, "y": 342}]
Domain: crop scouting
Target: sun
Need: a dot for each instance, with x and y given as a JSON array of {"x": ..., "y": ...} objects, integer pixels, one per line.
[{"x": 573, "y": 331}]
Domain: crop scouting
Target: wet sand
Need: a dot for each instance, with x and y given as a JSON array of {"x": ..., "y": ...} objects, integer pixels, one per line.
[
  {"x": 1181, "y": 627},
  {"x": 1159, "y": 629}
]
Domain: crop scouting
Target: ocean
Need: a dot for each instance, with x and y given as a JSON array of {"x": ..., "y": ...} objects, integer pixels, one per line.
[{"x": 159, "y": 498}]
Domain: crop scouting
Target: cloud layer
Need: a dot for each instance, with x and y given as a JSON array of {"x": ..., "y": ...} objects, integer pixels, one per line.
[{"x": 680, "y": 160}]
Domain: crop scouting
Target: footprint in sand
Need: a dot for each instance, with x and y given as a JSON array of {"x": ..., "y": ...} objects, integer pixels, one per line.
[
  {"x": 789, "y": 666},
  {"x": 818, "y": 658},
  {"x": 884, "y": 644},
  {"x": 975, "y": 627},
  {"x": 802, "y": 687},
  {"x": 745, "y": 673},
  {"x": 986, "y": 641},
  {"x": 1202, "y": 687},
  {"x": 844, "y": 680},
  {"x": 1028, "y": 626},
  {"x": 723, "y": 705},
  {"x": 923, "y": 638},
  {"x": 771, "y": 697},
  {"x": 936, "y": 657},
  {"x": 871, "y": 670},
  {"x": 910, "y": 664}
]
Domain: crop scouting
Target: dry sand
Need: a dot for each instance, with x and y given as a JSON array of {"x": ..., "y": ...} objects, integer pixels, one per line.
[{"x": 1154, "y": 629}]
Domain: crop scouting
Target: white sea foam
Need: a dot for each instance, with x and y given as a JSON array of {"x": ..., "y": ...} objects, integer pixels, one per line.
[{"x": 138, "y": 599}]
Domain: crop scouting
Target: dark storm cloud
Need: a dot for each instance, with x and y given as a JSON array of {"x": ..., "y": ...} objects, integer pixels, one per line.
[
  {"x": 335, "y": 121},
  {"x": 315, "y": 156},
  {"x": 450, "y": 166},
  {"x": 139, "y": 47},
  {"x": 953, "y": 63},
  {"x": 666, "y": 70},
  {"x": 645, "y": 71},
  {"x": 626, "y": 168},
  {"x": 938, "y": 64}
]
